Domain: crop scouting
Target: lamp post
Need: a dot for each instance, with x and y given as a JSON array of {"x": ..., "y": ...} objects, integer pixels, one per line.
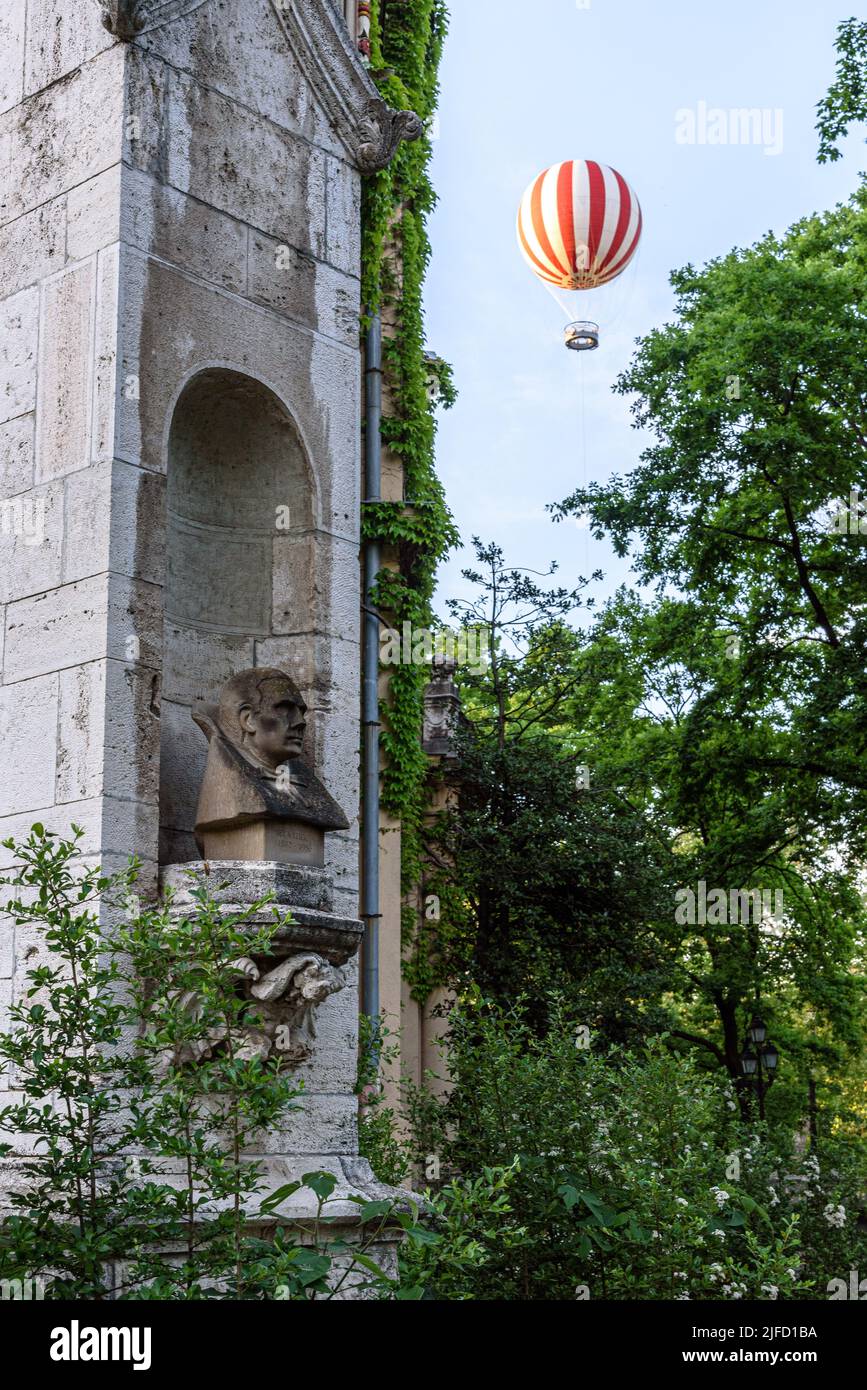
[{"x": 759, "y": 1060}]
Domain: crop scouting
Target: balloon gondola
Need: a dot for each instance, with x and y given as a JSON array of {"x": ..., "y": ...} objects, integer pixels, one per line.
[
  {"x": 579, "y": 225},
  {"x": 582, "y": 336}
]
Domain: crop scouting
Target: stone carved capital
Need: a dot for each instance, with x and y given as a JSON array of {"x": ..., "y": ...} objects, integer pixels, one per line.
[
  {"x": 320, "y": 39},
  {"x": 442, "y": 712}
]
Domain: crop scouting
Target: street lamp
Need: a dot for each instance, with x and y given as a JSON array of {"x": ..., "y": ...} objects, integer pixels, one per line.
[
  {"x": 770, "y": 1057},
  {"x": 757, "y": 1031},
  {"x": 759, "y": 1065}
]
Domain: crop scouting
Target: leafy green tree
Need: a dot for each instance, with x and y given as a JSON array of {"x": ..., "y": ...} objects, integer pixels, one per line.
[
  {"x": 545, "y": 879},
  {"x": 523, "y": 629},
  {"x": 744, "y": 680},
  {"x": 74, "y": 1076},
  {"x": 671, "y": 732},
  {"x": 845, "y": 104},
  {"x": 754, "y": 398}
]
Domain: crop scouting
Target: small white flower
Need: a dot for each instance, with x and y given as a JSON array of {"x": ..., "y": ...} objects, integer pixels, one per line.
[
  {"x": 681, "y": 1297},
  {"x": 681, "y": 1201},
  {"x": 835, "y": 1216},
  {"x": 721, "y": 1196},
  {"x": 680, "y": 1274},
  {"x": 771, "y": 1290}
]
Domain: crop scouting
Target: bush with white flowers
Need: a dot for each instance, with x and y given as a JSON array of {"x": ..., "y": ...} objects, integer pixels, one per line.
[{"x": 622, "y": 1180}]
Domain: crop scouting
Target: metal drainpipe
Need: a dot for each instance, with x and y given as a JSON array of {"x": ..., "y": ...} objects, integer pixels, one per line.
[{"x": 370, "y": 687}]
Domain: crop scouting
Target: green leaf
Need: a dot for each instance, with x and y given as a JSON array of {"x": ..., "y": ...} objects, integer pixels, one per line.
[
  {"x": 371, "y": 1266},
  {"x": 372, "y": 1211},
  {"x": 323, "y": 1184},
  {"x": 420, "y": 1235},
  {"x": 276, "y": 1198},
  {"x": 605, "y": 1215}
]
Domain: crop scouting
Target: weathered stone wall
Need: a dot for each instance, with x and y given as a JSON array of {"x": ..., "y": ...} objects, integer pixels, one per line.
[
  {"x": 61, "y": 121},
  {"x": 241, "y": 251},
  {"x": 179, "y": 205}
]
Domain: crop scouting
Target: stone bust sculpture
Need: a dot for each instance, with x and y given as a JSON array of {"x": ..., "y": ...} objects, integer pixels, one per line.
[{"x": 259, "y": 800}]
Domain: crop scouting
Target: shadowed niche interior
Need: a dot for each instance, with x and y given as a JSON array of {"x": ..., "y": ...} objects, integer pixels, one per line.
[{"x": 240, "y": 568}]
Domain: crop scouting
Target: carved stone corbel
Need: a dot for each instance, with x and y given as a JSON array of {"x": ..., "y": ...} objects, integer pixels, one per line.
[
  {"x": 380, "y": 131},
  {"x": 284, "y": 999},
  {"x": 126, "y": 19}
]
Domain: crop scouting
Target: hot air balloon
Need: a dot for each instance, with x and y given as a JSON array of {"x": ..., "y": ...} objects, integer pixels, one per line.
[{"x": 579, "y": 225}]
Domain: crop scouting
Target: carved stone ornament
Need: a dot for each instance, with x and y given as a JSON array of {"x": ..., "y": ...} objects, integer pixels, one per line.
[
  {"x": 326, "y": 52},
  {"x": 380, "y": 132},
  {"x": 320, "y": 39},
  {"x": 122, "y": 18},
  {"x": 283, "y": 1002},
  {"x": 126, "y": 19}
]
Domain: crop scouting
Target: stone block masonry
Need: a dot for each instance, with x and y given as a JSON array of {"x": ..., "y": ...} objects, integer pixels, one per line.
[{"x": 180, "y": 415}]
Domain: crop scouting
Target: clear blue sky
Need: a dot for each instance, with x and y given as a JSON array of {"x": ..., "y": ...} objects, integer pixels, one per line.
[{"x": 526, "y": 85}]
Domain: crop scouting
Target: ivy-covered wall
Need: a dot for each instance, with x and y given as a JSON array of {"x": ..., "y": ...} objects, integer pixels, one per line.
[{"x": 406, "y": 45}]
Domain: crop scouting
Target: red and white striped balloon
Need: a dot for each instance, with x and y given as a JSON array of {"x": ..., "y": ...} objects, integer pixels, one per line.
[{"x": 579, "y": 225}]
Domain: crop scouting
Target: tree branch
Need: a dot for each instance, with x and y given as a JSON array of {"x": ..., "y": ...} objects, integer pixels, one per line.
[{"x": 700, "y": 1042}]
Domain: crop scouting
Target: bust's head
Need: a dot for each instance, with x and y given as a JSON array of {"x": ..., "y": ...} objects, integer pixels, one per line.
[{"x": 262, "y": 713}]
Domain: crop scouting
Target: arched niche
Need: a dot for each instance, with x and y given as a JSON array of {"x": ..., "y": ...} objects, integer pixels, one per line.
[{"x": 241, "y": 567}]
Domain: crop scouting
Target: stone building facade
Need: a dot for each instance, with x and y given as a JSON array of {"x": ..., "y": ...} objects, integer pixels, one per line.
[{"x": 180, "y": 413}]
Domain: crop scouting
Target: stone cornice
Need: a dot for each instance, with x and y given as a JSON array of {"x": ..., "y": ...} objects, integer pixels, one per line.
[
  {"x": 320, "y": 40},
  {"x": 318, "y": 36}
]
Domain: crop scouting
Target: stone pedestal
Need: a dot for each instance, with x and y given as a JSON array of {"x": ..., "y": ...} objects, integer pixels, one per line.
[
  {"x": 323, "y": 1134},
  {"x": 303, "y": 890},
  {"x": 267, "y": 841}
]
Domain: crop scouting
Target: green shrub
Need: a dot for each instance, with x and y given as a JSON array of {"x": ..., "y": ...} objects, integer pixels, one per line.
[
  {"x": 139, "y": 1103},
  {"x": 631, "y": 1177}
]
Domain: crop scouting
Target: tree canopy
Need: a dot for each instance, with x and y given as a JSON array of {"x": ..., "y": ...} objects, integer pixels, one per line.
[{"x": 720, "y": 712}]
